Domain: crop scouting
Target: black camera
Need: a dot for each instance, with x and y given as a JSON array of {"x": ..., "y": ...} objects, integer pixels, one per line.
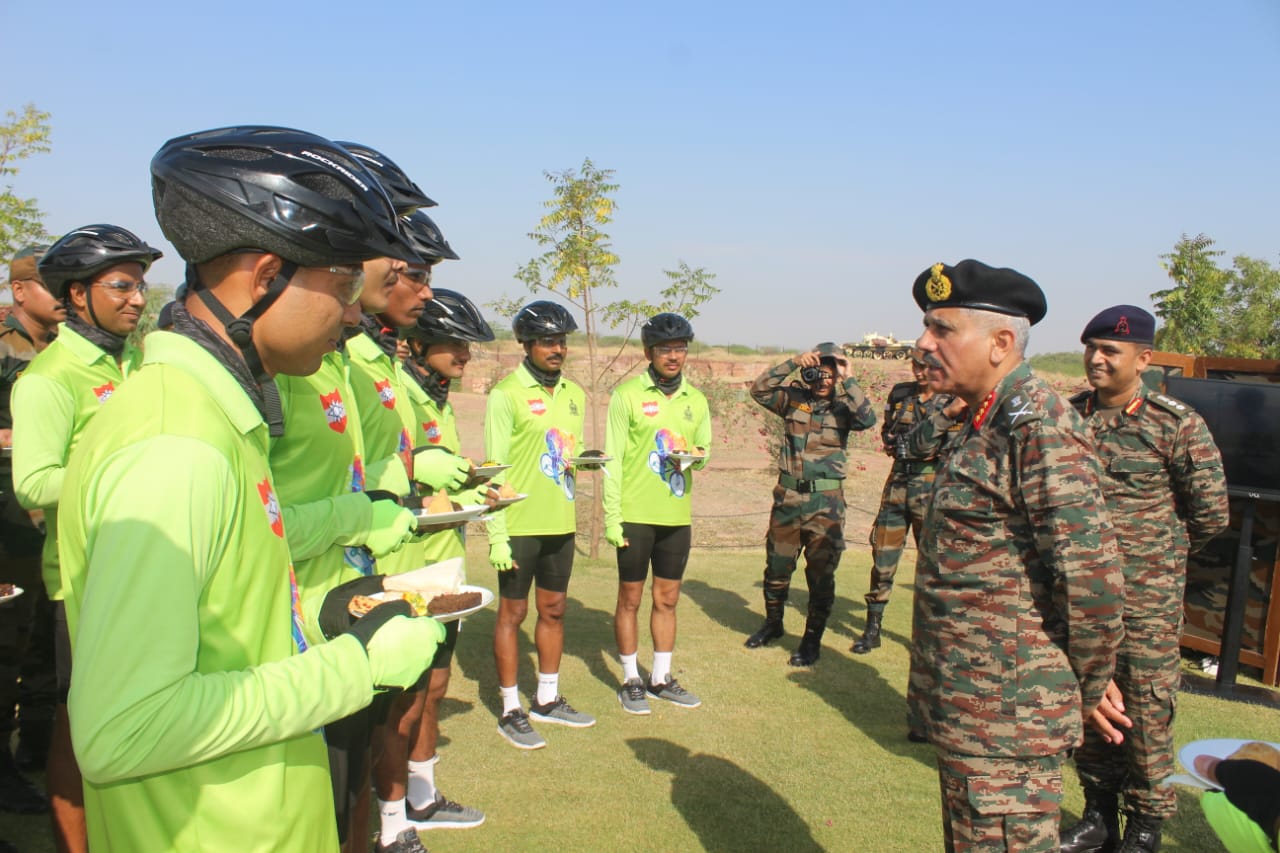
[{"x": 812, "y": 375}]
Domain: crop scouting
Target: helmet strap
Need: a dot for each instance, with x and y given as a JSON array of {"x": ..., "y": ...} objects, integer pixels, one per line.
[{"x": 240, "y": 331}]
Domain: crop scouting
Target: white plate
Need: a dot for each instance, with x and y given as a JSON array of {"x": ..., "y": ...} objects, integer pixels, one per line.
[
  {"x": 17, "y": 591},
  {"x": 1216, "y": 747},
  {"x": 504, "y": 502},
  {"x": 465, "y": 514},
  {"x": 589, "y": 460},
  {"x": 488, "y": 472},
  {"x": 684, "y": 460},
  {"x": 486, "y": 598}
]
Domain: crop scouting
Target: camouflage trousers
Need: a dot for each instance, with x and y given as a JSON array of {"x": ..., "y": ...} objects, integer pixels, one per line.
[
  {"x": 1000, "y": 803},
  {"x": 812, "y": 523},
  {"x": 902, "y": 505},
  {"x": 1148, "y": 671}
]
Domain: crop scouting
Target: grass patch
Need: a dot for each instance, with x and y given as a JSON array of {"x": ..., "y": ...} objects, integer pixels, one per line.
[
  {"x": 775, "y": 759},
  {"x": 1063, "y": 363}
]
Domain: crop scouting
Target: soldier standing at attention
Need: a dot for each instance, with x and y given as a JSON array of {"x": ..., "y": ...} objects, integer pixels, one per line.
[
  {"x": 808, "y": 502},
  {"x": 1018, "y": 583},
  {"x": 1166, "y": 493},
  {"x": 906, "y": 491}
]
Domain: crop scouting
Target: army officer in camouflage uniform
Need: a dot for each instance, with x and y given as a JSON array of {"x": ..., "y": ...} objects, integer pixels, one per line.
[
  {"x": 906, "y": 490},
  {"x": 1019, "y": 589},
  {"x": 808, "y": 502},
  {"x": 1166, "y": 492}
]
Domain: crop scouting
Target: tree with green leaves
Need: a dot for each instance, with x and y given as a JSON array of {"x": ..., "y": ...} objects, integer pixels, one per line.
[
  {"x": 1252, "y": 310},
  {"x": 578, "y": 262},
  {"x": 21, "y": 136}
]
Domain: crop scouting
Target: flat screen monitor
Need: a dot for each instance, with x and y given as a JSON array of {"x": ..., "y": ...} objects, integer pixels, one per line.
[{"x": 1244, "y": 418}]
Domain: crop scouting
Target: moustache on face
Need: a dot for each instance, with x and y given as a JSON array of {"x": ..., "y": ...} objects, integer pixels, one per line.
[{"x": 931, "y": 361}]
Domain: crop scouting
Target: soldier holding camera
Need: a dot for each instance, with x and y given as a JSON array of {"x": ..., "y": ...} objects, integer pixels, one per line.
[{"x": 808, "y": 503}]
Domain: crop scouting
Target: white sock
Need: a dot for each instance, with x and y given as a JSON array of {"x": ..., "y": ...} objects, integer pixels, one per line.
[
  {"x": 510, "y": 699},
  {"x": 629, "y": 668},
  {"x": 661, "y": 668},
  {"x": 422, "y": 782},
  {"x": 548, "y": 687},
  {"x": 394, "y": 821}
]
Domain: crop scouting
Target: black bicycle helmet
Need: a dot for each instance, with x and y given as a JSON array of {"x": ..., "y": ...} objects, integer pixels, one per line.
[
  {"x": 405, "y": 195},
  {"x": 542, "y": 319},
  {"x": 87, "y": 251},
  {"x": 665, "y": 327},
  {"x": 426, "y": 238},
  {"x": 285, "y": 191},
  {"x": 450, "y": 316}
]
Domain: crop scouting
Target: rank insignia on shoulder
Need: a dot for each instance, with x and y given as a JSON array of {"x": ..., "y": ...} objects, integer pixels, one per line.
[
  {"x": 1178, "y": 407},
  {"x": 1018, "y": 410}
]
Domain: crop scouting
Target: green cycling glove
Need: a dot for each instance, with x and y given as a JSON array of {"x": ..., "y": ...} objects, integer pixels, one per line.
[
  {"x": 392, "y": 526},
  {"x": 500, "y": 556},
  {"x": 400, "y": 647},
  {"x": 438, "y": 469},
  {"x": 613, "y": 535}
]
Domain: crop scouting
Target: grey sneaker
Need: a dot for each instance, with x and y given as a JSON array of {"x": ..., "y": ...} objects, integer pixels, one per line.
[
  {"x": 515, "y": 728},
  {"x": 632, "y": 697},
  {"x": 675, "y": 694},
  {"x": 560, "y": 711},
  {"x": 407, "y": 841},
  {"x": 444, "y": 814}
]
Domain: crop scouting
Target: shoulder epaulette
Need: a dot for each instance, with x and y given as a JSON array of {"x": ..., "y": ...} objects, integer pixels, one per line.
[
  {"x": 1169, "y": 404},
  {"x": 1019, "y": 410}
]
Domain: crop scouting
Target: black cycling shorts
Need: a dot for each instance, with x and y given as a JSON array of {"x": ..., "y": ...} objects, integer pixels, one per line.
[
  {"x": 546, "y": 559},
  {"x": 666, "y": 548}
]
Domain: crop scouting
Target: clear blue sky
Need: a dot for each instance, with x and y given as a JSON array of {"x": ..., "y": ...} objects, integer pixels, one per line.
[{"x": 815, "y": 156}]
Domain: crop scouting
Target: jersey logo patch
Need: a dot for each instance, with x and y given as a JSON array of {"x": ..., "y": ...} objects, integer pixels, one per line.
[
  {"x": 537, "y": 406},
  {"x": 334, "y": 410},
  {"x": 432, "y": 431},
  {"x": 357, "y": 474},
  {"x": 385, "y": 394},
  {"x": 649, "y": 408},
  {"x": 104, "y": 392},
  {"x": 272, "y": 506}
]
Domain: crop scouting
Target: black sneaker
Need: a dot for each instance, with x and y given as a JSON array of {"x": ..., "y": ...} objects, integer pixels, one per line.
[
  {"x": 444, "y": 814},
  {"x": 674, "y": 693},
  {"x": 406, "y": 842}
]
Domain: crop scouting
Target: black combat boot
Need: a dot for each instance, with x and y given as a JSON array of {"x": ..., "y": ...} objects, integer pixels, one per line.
[
  {"x": 871, "y": 636},
  {"x": 1098, "y": 830},
  {"x": 1141, "y": 834},
  {"x": 810, "y": 647},
  {"x": 772, "y": 627}
]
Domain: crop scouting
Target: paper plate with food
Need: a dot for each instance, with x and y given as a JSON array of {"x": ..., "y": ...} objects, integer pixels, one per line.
[
  {"x": 506, "y": 497},
  {"x": 589, "y": 459},
  {"x": 486, "y": 470},
  {"x": 441, "y": 589},
  {"x": 440, "y": 509},
  {"x": 685, "y": 458},
  {"x": 1201, "y": 757},
  {"x": 8, "y": 592}
]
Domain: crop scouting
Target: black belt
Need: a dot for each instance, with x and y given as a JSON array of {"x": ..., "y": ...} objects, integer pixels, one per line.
[{"x": 829, "y": 484}]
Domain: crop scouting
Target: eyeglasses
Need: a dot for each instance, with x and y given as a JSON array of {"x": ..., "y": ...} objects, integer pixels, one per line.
[
  {"x": 123, "y": 290},
  {"x": 675, "y": 349},
  {"x": 349, "y": 291},
  {"x": 552, "y": 342},
  {"x": 418, "y": 277}
]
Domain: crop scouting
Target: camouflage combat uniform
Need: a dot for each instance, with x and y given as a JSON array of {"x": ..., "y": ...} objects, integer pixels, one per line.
[
  {"x": 1166, "y": 492},
  {"x": 1017, "y": 614},
  {"x": 808, "y": 502},
  {"x": 907, "y": 488}
]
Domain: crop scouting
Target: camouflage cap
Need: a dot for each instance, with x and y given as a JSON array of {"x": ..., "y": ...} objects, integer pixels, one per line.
[
  {"x": 829, "y": 350},
  {"x": 23, "y": 265},
  {"x": 1121, "y": 323},
  {"x": 973, "y": 284}
]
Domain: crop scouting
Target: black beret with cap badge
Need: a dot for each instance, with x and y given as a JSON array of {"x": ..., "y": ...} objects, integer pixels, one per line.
[{"x": 973, "y": 284}]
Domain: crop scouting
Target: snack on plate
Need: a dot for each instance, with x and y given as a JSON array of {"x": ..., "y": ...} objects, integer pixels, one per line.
[
  {"x": 679, "y": 445},
  {"x": 452, "y": 602},
  {"x": 362, "y": 604},
  {"x": 6, "y": 589},
  {"x": 507, "y": 493},
  {"x": 440, "y": 503},
  {"x": 699, "y": 451},
  {"x": 488, "y": 463}
]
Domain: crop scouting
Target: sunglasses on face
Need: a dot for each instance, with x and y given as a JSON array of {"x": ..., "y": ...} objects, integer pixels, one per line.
[
  {"x": 674, "y": 349},
  {"x": 349, "y": 291},
  {"x": 123, "y": 290},
  {"x": 550, "y": 342}
]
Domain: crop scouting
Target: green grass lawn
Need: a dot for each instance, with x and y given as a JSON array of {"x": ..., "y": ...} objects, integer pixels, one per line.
[{"x": 775, "y": 759}]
